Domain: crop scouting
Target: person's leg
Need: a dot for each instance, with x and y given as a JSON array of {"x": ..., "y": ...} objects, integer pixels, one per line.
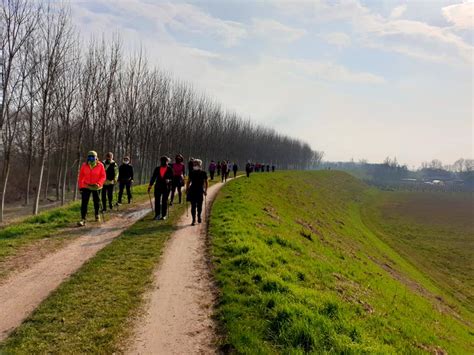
[
  {"x": 157, "y": 202},
  {"x": 180, "y": 194},
  {"x": 104, "y": 197},
  {"x": 110, "y": 194},
  {"x": 164, "y": 203},
  {"x": 193, "y": 210},
  {"x": 129, "y": 191},
  {"x": 173, "y": 190},
  {"x": 86, "y": 194},
  {"x": 95, "y": 197},
  {"x": 120, "y": 194},
  {"x": 199, "y": 210}
]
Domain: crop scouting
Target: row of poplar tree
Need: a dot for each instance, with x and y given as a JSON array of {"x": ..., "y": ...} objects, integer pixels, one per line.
[{"x": 62, "y": 97}]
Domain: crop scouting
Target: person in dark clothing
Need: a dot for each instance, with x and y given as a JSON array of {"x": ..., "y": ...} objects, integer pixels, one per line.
[
  {"x": 235, "y": 167},
  {"x": 248, "y": 168},
  {"x": 190, "y": 164},
  {"x": 218, "y": 168},
  {"x": 178, "y": 177},
  {"x": 111, "y": 174},
  {"x": 268, "y": 168},
  {"x": 224, "y": 172},
  {"x": 273, "y": 168},
  {"x": 196, "y": 188},
  {"x": 125, "y": 179},
  {"x": 161, "y": 178},
  {"x": 212, "y": 169}
]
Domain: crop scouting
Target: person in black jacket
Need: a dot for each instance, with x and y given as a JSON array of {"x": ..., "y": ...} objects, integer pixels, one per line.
[
  {"x": 196, "y": 188},
  {"x": 111, "y": 174},
  {"x": 161, "y": 178},
  {"x": 125, "y": 179}
]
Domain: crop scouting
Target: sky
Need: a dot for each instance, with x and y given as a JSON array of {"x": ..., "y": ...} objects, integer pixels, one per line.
[{"x": 355, "y": 79}]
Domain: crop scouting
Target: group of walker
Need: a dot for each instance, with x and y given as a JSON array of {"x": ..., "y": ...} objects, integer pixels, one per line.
[{"x": 98, "y": 178}]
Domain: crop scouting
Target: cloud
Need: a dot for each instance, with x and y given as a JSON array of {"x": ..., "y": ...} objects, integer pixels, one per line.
[
  {"x": 329, "y": 71},
  {"x": 339, "y": 39},
  {"x": 461, "y": 15},
  {"x": 398, "y": 11},
  {"x": 276, "y": 31},
  {"x": 392, "y": 33}
]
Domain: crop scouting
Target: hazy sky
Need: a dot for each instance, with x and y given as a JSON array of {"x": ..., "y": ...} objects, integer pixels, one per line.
[{"x": 356, "y": 79}]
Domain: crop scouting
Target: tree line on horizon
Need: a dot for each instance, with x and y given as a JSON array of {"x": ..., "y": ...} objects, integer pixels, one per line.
[
  {"x": 62, "y": 97},
  {"x": 451, "y": 177}
]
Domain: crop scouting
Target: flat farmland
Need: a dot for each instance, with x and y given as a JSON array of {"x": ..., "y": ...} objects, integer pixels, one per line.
[{"x": 435, "y": 232}]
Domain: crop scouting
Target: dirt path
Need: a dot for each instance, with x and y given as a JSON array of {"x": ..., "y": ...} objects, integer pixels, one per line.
[
  {"x": 180, "y": 305},
  {"x": 22, "y": 292}
]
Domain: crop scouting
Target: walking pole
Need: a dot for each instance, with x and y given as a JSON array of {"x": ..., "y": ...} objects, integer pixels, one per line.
[
  {"x": 100, "y": 205},
  {"x": 116, "y": 198},
  {"x": 151, "y": 204}
]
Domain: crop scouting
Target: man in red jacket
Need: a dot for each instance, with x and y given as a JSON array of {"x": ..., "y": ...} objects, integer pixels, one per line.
[{"x": 91, "y": 179}]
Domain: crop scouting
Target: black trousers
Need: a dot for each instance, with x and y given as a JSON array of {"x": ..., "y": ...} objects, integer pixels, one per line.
[
  {"x": 107, "y": 193},
  {"x": 235, "y": 173},
  {"x": 224, "y": 176},
  {"x": 211, "y": 173},
  {"x": 176, "y": 185},
  {"x": 86, "y": 194},
  {"x": 122, "y": 186},
  {"x": 161, "y": 202},
  {"x": 196, "y": 206},
  {"x": 248, "y": 173}
]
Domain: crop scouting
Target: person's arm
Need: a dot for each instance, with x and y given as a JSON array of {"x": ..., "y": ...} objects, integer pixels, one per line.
[
  {"x": 206, "y": 185},
  {"x": 153, "y": 178},
  {"x": 188, "y": 182},
  {"x": 131, "y": 173},
  {"x": 102, "y": 176}
]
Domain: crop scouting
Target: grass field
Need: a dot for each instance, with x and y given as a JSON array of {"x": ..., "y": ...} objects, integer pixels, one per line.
[
  {"x": 434, "y": 231},
  {"x": 302, "y": 267}
]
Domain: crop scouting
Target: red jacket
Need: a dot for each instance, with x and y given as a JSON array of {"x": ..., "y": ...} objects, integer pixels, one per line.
[{"x": 90, "y": 176}]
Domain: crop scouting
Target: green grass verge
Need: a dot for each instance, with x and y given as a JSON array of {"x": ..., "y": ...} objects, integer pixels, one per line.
[
  {"x": 300, "y": 271},
  {"x": 90, "y": 312},
  {"x": 48, "y": 224}
]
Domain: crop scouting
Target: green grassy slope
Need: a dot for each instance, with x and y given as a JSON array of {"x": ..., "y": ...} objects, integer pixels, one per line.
[{"x": 301, "y": 270}]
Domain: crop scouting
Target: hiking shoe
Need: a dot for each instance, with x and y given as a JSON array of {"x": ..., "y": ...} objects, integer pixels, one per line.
[
  {"x": 199, "y": 220},
  {"x": 193, "y": 223},
  {"x": 119, "y": 203},
  {"x": 81, "y": 223},
  {"x": 164, "y": 218},
  {"x": 157, "y": 218},
  {"x": 97, "y": 218},
  {"x": 103, "y": 210},
  {"x": 171, "y": 203}
]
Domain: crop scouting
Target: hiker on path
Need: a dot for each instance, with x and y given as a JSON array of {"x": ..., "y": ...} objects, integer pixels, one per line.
[
  {"x": 229, "y": 169},
  {"x": 248, "y": 168},
  {"x": 273, "y": 168},
  {"x": 178, "y": 177},
  {"x": 212, "y": 169},
  {"x": 111, "y": 174},
  {"x": 90, "y": 181},
  {"x": 196, "y": 189},
  {"x": 125, "y": 179},
  {"x": 161, "y": 178},
  {"x": 190, "y": 164},
  {"x": 218, "y": 168},
  {"x": 235, "y": 167},
  {"x": 223, "y": 171},
  {"x": 268, "y": 168}
]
